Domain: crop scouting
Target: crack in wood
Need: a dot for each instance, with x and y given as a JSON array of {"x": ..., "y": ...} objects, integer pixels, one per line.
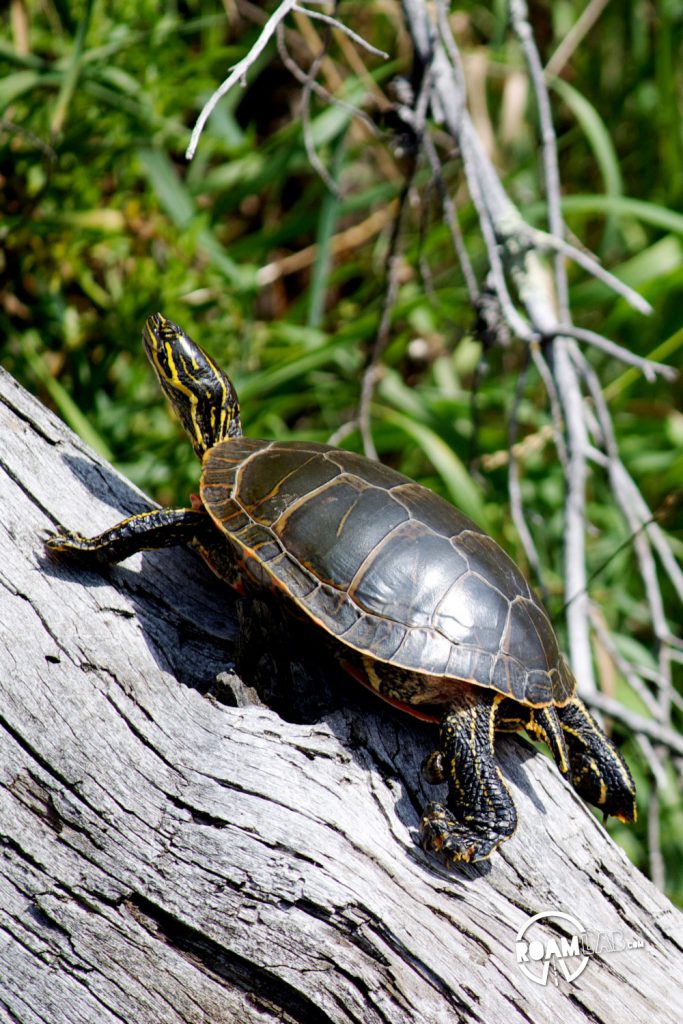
[
  {"x": 31, "y": 792},
  {"x": 268, "y": 991}
]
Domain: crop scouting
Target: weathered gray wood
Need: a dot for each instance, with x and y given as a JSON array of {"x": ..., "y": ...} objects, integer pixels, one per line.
[{"x": 168, "y": 858}]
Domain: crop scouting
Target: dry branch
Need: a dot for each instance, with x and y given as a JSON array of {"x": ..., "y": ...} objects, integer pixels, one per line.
[{"x": 238, "y": 73}]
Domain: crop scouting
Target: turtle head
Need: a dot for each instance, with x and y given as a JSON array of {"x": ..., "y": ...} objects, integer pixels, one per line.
[{"x": 202, "y": 395}]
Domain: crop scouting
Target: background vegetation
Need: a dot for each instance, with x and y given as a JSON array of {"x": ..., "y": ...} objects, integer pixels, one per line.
[{"x": 104, "y": 222}]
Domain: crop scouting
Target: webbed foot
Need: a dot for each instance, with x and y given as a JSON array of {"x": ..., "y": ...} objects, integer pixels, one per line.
[
  {"x": 480, "y": 814},
  {"x": 470, "y": 840},
  {"x": 598, "y": 771},
  {"x": 75, "y": 547}
]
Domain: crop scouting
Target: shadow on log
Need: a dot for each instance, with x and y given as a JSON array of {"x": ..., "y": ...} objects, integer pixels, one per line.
[{"x": 174, "y": 853}]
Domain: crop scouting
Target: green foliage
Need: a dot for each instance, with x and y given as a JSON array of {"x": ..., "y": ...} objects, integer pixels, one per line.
[{"x": 105, "y": 222}]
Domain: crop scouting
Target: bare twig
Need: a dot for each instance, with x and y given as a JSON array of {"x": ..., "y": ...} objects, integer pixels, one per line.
[
  {"x": 649, "y": 369},
  {"x": 349, "y": 238},
  {"x": 519, "y": 17},
  {"x": 654, "y": 757},
  {"x": 654, "y": 844},
  {"x": 640, "y": 518},
  {"x": 425, "y": 270},
  {"x": 631, "y": 674},
  {"x": 341, "y": 27},
  {"x": 342, "y": 432},
  {"x": 324, "y": 94},
  {"x": 515, "y": 490},
  {"x": 649, "y": 727},
  {"x": 392, "y": 266},
  {"x": 545, "y": 241},
  {"x": 451, "y": 218},
  {"x": 447, "y": 40},
  {"x": 480, "y": 178},
  {"x": 568, "y": 386},
  {"x": 370, "y": 374},
  {"x": 574, "y": 36},
  {"x": 575, "y": 521},
  {"x": 238, "y": 72},
  {"x": 556, "y": 416},
  {"x": 314, "y": 160}
]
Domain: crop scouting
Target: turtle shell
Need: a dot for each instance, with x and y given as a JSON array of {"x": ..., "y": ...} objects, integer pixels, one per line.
[{"x": 384, "y": 565}]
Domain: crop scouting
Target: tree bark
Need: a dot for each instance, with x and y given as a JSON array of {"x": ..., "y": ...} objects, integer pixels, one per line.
[{"x": 168, "y": 857}]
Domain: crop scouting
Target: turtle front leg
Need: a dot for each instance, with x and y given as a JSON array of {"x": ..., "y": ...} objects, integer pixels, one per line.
[
  {"x": 480, "y": 813},
  {"x": 160, "y": 528},
  {"x": 597, "y": 770}
]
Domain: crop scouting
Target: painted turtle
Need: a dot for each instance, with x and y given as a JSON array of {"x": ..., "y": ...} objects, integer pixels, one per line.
[{"x": 418, "y": 603}]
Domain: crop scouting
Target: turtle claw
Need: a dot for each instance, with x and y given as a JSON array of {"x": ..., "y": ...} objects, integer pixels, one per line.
[
  {"x": 469, "y": 841},
  {"x": 74, "y": 547},
  {"x": 433, "y": 768},
  {"x": 63, "y": 540}
]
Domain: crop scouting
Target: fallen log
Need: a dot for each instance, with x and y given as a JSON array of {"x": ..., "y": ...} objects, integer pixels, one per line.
[{"x": 174, "y": 850}]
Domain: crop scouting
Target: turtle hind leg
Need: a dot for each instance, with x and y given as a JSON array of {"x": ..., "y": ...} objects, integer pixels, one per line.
[
  {"x": 598, "y": 772},
  {"x": 480, "y": 813},
  {"x": 159, "y": 528}
]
